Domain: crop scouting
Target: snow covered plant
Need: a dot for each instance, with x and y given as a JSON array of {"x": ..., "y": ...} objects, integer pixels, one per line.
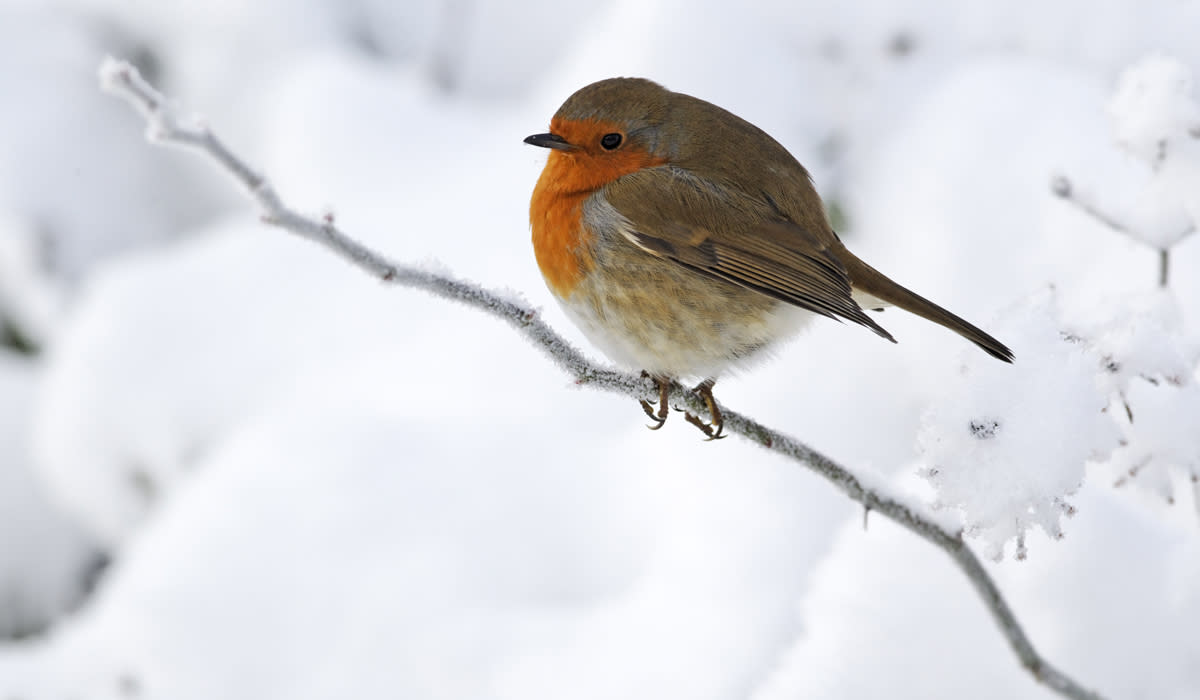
[{"x": 1113, "y": 385}]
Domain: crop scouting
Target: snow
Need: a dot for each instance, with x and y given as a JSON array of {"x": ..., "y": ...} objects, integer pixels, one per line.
[
  {"x": 315, "y": 485},
  {"x": 57, "y": 178},
  {"x": 1159, "y": 446},
  {"x": 1121, "y": 575},
  {"x": 1153, "y": 108},
  {"x": 373, "y": 552},
  {"x": 28, "y": 295},
  {"x": 1008, "y": 446},
  {"x": 46, "y": 558},
  {"x": 1156, "y": 118}
]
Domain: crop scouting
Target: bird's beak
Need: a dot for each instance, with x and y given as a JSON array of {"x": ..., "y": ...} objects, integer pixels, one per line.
[{"x": 549, "y": 141}]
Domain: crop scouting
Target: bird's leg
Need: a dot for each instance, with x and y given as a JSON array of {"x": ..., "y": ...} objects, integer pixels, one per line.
[
  {"x": 713, "y": 429},
  {"x": 660, "y": 416}
]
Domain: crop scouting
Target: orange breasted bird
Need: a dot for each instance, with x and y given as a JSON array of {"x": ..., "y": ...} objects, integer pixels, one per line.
[{"x": 684, "y": 241}]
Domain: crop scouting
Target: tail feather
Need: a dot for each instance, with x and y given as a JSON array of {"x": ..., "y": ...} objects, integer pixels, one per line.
[{"x": 867, "y": 279}]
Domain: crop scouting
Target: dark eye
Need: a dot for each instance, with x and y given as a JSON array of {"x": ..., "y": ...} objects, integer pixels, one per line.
[{"x": 610, "y": 141}]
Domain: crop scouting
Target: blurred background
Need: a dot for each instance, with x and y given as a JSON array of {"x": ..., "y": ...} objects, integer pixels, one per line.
[{"x": 232, "y": 466}]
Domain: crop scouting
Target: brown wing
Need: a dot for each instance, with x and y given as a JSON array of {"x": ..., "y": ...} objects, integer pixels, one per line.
[{"x": 694, "y": 223}]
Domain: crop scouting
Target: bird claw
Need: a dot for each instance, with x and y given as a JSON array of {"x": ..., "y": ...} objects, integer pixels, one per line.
[
  {"x": 714, "y": 429},
  {"x": 658, "y": 419},
  {"x": 660, "y": 416}
]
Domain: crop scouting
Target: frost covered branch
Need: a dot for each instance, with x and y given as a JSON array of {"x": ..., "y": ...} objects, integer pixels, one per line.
[
  {"x": 1156, "y": 120},
  {"x": 167, "y": 127}
]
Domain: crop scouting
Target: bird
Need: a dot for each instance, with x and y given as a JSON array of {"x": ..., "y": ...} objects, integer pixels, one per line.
[{"x": 686, "y": 242}]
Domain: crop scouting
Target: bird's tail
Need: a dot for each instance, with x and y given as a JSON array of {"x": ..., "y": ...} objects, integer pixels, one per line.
[{"x": 867, "y": 279}]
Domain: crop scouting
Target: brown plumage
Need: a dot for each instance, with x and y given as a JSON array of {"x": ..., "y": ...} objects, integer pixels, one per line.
[{"x": 684, "y": 240}]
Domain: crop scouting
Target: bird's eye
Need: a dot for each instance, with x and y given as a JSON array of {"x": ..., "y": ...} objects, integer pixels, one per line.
[{"x": 610, "y": 141}]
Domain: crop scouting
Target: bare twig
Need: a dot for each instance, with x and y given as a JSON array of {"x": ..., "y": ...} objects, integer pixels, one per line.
[
  {"x": 122, "y": 80},
  {"x": 1061, "y": 186}
]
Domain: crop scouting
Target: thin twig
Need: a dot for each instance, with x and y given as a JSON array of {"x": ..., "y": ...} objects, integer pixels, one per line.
[
  {"x": 1061, "y": 186},
  {"x": 123, "y": 80}
]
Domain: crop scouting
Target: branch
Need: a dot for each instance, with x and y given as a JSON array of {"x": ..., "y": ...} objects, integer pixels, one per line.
[
  {"x": 165, "y": 126},
  {"x": 1062, "y": 187}
]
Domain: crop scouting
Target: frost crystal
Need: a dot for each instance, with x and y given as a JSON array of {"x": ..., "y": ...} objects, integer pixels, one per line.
[
  {"x": 1155, "y": 117},
  {"x": 1008, "y": 443},
  {"x": 1153, "y": 108}
]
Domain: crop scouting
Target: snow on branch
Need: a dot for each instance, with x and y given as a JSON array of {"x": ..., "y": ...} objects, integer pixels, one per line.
[
  {"x": 1148, "y": 356},
  {"x": 166, "y": 126},
  {"x": 1155, "y": 118}
]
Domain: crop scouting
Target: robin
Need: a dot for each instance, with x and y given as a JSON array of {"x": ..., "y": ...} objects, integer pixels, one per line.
[{"x": 685, "y": 241}]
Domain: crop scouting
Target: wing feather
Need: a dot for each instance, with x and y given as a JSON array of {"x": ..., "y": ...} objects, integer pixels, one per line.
[{"x": 750, "y": 243}]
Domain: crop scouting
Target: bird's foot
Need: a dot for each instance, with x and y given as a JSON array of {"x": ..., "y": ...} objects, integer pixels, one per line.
[
  {"x": 660, "y": 416},
  {"x": 712, "y": 429}
]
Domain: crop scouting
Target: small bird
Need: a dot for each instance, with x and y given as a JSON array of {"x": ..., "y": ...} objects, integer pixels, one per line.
[{"x": 684, "y": 241}]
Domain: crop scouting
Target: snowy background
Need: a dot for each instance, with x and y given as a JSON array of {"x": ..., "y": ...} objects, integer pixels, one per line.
[{"x": 233, "y": 467}]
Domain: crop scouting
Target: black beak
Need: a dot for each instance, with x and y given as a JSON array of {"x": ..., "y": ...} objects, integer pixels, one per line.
[{"x": 549, "y": 141}]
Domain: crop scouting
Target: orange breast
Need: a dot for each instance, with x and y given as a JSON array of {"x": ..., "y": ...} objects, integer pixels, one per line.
[
  {"x": 561, "y": 244},
  {"x": 556, "y": 216}
]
